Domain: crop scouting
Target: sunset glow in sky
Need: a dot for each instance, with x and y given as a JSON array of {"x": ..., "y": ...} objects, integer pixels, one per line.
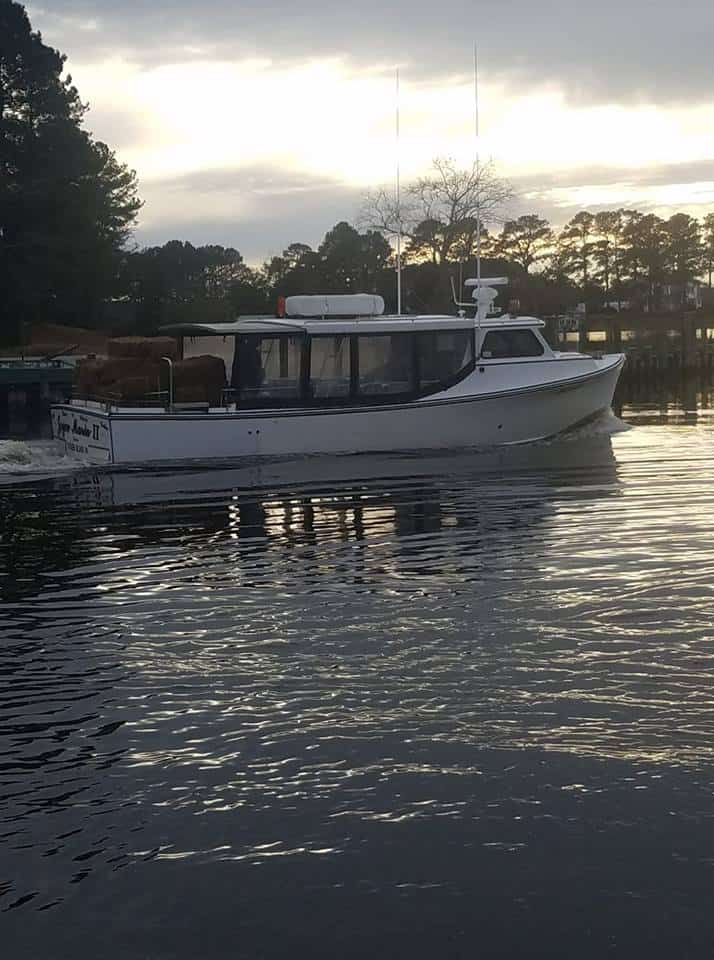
[{"x": 241, "y": 136}]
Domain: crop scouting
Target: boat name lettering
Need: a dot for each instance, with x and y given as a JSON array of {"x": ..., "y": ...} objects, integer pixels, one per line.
[
  {"x": 79, "y": 430},
  {"x": 77, "y": 447}
]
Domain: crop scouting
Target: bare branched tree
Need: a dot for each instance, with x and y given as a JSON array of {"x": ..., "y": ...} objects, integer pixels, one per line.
[{"x": 447, "y": 201}]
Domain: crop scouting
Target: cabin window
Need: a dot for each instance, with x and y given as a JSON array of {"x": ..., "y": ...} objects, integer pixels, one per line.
[
  {"x": 443, "y": 356},
  {"x": 385, "y": 364},
  {"x": 505, "y": 344},
  {"x": 213, "y": 346},
  {"x": 267, "y": 369},
  {"x": 330, "y": 367}
]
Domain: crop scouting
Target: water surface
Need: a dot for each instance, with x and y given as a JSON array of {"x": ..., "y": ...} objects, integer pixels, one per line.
[{"x": 417, "y": 706}]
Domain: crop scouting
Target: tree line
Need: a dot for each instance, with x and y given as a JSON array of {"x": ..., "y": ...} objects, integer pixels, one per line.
[
  {"x": 67, "y": 208},
  {"x": 609, "y": 260}
]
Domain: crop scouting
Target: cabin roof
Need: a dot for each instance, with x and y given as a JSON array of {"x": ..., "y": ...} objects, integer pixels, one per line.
[{"x": 316, "y": 325}]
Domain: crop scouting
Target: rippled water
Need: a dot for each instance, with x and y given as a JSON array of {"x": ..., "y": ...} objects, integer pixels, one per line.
[{"x": 447, "y": 706}]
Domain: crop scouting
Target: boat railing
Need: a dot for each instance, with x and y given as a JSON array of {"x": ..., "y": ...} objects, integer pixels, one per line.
[
  {"x": 170, "y": 399},
  {"x": 159, "y": 399},
  {"x": 35, "y": 363}
]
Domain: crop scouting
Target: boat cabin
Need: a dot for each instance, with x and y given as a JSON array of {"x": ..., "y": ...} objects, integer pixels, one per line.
[{"x": 344, "y": 358}]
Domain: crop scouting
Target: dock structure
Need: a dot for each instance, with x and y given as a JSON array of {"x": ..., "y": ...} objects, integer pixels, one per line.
[
  {"x": 652, "y": 342},
  {"x": 35, "y": 381}
]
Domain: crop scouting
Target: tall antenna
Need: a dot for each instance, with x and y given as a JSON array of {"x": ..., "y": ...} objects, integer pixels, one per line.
[
  {"x": 399, "y": 207},
  {"x": 477, "y": 139},
  {"x": 478, "y": 179}
]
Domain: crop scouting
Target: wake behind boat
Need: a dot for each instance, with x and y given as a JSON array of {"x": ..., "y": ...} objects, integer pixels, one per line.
[{"x": 335, "y": 375}]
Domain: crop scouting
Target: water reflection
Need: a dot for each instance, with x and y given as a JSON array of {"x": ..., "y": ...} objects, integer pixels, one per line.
[
  {"x": 673, "y": 398},
  {"x": 325, "y": 523},
  {"x": 315, "y": 674}
]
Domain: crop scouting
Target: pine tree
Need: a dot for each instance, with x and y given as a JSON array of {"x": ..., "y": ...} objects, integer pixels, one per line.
[
  {"x": 66, "y": 203},
  {"x": 684, "y": 247},
  {"x": 576, "y": 243},
  {"x": 608, "y": 251},
  {"x": 708, "y": 247},
  {"x": 525, "y": 241}
]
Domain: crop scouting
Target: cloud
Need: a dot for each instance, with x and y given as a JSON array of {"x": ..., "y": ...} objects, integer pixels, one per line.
[
  {"x": 262, "y": 209},
  {"x": 259, "y": 210},
  {"x": 685, "y": 187},
  {"x": 595, "y": 52},
  {"x": 257, "y": 125},
  {"x": 642, "y": 177},
  {"x": 324, "y": 117}
]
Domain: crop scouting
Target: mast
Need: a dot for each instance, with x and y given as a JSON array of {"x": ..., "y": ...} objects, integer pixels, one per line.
[{"x": 399, "y": 207}]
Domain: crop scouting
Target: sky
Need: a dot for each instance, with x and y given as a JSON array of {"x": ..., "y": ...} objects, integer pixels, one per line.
[{"x": 260, "y": 124}]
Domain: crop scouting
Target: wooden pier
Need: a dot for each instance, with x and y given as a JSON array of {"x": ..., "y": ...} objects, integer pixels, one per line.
[
  {"x": 652, "y": 341},
  {"x": 33, "y": 382}
]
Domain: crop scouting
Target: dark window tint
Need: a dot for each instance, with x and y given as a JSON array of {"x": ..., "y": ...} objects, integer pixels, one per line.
[
  {"x": 330, "y": 367},
  {"x": 501, "y": 344},
  {"x": 267, "y": 369},
  {"x": 442, "y": 356},
  {"x": 385, "y": 364}
]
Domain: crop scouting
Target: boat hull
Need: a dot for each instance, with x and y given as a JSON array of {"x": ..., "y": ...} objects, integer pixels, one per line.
[{"x": 504, "y": 417}]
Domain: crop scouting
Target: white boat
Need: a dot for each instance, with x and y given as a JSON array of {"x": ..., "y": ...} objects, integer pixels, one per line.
[{"x": 334, "y": 375}]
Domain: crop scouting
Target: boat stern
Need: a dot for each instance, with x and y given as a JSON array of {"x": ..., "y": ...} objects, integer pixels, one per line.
[{"x": 84, "y": 433}]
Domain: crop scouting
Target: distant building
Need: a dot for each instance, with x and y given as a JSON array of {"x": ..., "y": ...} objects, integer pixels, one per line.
[
  {"x": 707, "y": 295},
  {"x": 681, "y": 296}
]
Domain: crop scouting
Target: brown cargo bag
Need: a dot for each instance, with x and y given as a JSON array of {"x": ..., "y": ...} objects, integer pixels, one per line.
[
  {"x": 197, "y": 380},
  {"x": 117, "y": 378},
  {"x": 146, "y": 348}
]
